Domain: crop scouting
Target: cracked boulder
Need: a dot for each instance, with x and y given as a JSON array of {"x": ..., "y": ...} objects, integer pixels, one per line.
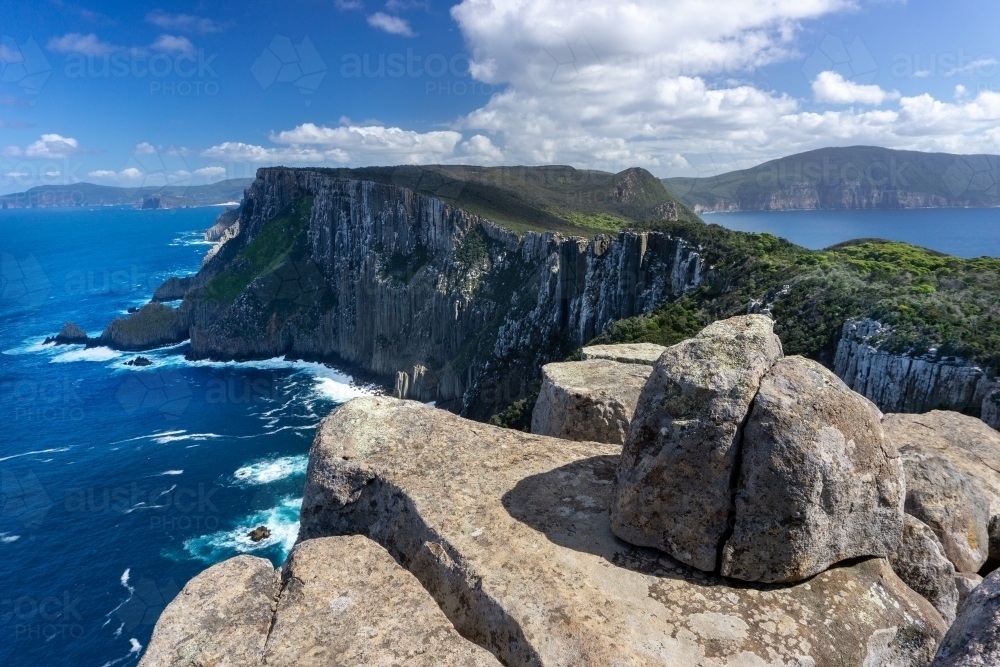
[
  {"x": 588, "y": 400},
  {"x": 510, "y": 534},
  {"x": 819, "y": 481},
  {"x": 973, "y": 640},
  {"x": 969, "y": 444},
  {"x": 626, "y": 353},
  {"x": 919, "y": 560},
  {"x": 675, "y": 479},
  {"x": 950, "y": 503}
]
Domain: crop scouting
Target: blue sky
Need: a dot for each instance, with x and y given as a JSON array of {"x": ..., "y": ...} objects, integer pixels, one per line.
[{"x": 131, "y": 93}]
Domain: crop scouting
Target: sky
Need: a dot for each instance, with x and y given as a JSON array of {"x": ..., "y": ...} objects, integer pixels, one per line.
[{"x": 187, "y": 93}]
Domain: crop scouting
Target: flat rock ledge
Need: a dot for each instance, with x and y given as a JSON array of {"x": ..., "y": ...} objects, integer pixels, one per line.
[
  {"x": 337, "y": 601},
  {"x": 626, "y": 353},
  {"x": 588, "y": 400},
  {"x": 510, "y": 534}
]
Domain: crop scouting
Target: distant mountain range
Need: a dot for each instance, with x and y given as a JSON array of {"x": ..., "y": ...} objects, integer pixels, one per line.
[
  {"x": 89, "y": 194},
  {"x": 859, "y": 177}
]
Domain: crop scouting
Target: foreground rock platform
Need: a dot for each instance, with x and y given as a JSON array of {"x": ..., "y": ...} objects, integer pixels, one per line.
[
  {"x": 337, "y": 601},
  {"x": 588, "y": 400},
  {"x": 509, "y": 532},
  {"x": 626, "y": 353}
]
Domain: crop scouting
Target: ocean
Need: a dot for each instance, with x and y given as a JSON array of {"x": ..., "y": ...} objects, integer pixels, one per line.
[
  {"x": 119, "y": 484},
  {"x": 964, "y": 232}
]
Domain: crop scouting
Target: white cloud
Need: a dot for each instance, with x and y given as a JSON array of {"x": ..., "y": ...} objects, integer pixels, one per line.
[
  {"x": 53, "y": 146},
  {"x": 11, "y": 151},
  {"x": 391, "y": 24},
  {"x": 182, "y": 22},
  {"x": 832, "y": 87},
  {"x": 211, "y": 173},
  {"x": 173, "y": 44},
  {"x": 102, "y": 174},
  {"x": 480, "y": 150},
  {"x": 983, "y": 67},
  {"x": 345, "y": 5},
  {"x": 74, "y": 42},
  {"x": 145, "y": 148}
]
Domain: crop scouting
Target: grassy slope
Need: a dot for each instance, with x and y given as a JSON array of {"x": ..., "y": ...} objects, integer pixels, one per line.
[
  {"x": 962, "y": 180},
  {"x": 561, "y": 199}
]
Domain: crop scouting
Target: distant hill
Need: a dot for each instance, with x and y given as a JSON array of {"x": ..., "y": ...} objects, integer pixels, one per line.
[
  {"x": 551, "y": 198},
  {"x": 89, "y": 194},
  {"x": 848, "y": 178}
]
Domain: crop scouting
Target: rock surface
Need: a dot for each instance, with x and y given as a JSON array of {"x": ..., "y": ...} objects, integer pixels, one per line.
[
  {"x": 222, "y": 617},
  {"x": 588, "y": 400},
  {"x": 71, "y": 334},
  {"x": 819, "y": 481},
  {"x": 968, "y": 443},
  {"x": 345, "y": 601},
  {"x": 950, "y": 503},
  {"x": 173, "y": 289},
  {"x": 153, "y": 326},
  {"x": 675, "y": 480},
  {"x": 974, "y": 639},
  {"x": 919, "y": 561},
  {"x": 991, "y": 409},
  {"x": 965, "y": 583},
  {"x": 626, "y": 353},
  {"x": 509, "y": 532}
]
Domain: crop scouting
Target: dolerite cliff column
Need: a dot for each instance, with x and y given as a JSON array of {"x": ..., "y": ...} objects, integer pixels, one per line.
[{"x": 409, "y": 282}]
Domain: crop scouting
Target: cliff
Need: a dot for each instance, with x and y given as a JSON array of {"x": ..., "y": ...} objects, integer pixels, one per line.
[{"x": 403, "y": 285}]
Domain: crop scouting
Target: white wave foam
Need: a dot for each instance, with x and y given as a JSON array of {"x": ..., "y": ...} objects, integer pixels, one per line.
[
  {"x": 170, "y": 472},
  {"x": 148, "y": 437},
  {"x": 37, "y": 451},
  {"x": 267, "y": 471},
  {"x": 166, "y": 439},
  {"x": 7, "y": 538},
  {"x": 86, "y": 354},
  {"x": 282, "y": 520}
]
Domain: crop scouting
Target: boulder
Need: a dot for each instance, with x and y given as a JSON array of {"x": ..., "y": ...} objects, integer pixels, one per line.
[
  {"x": 991, "y": 409},
  {"x": 919, "y": 560},
  {"x": 674, "y": 483},
  {"x": 947, "y": 500},
  {"x": 819, "y": 481},
  {"x": 965, "y": 583},
  {"x": 626, "y": 353},
  {"x": 222, "y": 617},
  {"x": 972, "y": 446},
  {"x": 509, "y": 532},
  {"x": 588, "y": 400},
  {"x": 973, "y": 640},
  {"x": 345, "y": 601},
  {"x": 71, "y": 334}
]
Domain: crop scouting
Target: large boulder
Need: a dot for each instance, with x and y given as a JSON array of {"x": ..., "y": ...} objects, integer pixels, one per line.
[
  {"x": 965, "y": 583},
  {"x": 969, "y": 444},
  {"x": 974, "y": 638},
  {"x": 222, "y": 617},
  {"x": 588, "y": 400},
  {"x": 509, "y": 532},
  {"x": 947, "y": 500},
  {"x": 345, "y": 601},
  {"x": 626, "y": 353},
  {"x": 674, "y": 483},
  {"x": 919, "y": 560},
  {"x": 819, "y": 481}
]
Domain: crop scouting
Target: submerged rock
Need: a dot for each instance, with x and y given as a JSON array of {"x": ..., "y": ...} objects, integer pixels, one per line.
[
  {"x": 973, "y": 640},
  {"x": 675, "y": 479},
  {"x": 969, "y": 444},
  {"x": 509, "y": 532},
  {"x": 947, "y": 500},
  {"x": 139, "y": 361},
  {"x": 919, "y": 560},
  {"x": 588, "y": 400},
  {"x": 819, "y": 482},
  {"x": 222, "y": 617},
  {"x": 626, "y": 353}
]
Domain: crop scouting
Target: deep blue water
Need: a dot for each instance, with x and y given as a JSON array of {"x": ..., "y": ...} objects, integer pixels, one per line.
[
  {"x": 120, "y": 484},
  {"x": 965, "y": 232}
]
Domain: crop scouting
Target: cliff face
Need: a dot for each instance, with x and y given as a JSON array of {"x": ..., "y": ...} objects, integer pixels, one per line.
[
  {"x": 805, "y": 196},
  {"x": 899, "y": 383},
  {"x": 457, "y": 309}
]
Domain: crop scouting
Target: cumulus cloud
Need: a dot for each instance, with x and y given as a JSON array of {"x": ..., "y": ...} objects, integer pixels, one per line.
[
  {"x": 346, "y": 5},
  {"x": 145, "y": 148},
  {"x": 182, "y": 22},
  {"x": 87, "y": 45},
  {"x": 391, "y": 24},
  {"x": 211, "y": 173},
  {"x": 53, "y": 146},
  {"x": 173, "y": 44},
  {"x": 832, "y": 87},
  {"x": 11, "y": 151}
]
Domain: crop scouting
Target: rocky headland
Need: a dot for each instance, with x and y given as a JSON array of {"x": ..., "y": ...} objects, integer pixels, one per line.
[{"x": 759, "y": 513}]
